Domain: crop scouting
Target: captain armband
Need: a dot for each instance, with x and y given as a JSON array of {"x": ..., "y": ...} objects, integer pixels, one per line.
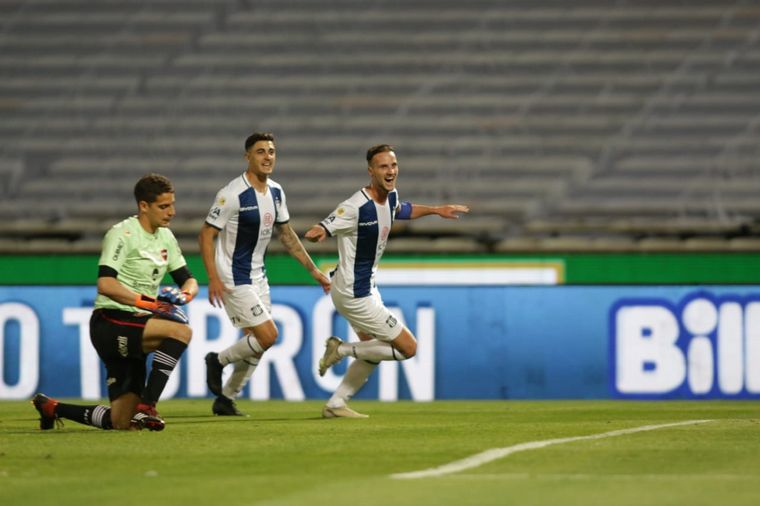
[{"x": 404, "y": 211}]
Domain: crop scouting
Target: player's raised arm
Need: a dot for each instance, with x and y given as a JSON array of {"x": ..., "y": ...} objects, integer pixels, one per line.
[{"x": 411, "y": 211}]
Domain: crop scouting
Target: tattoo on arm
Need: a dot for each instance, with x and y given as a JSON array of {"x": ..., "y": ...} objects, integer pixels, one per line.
[{"x": 294, "y": 246}]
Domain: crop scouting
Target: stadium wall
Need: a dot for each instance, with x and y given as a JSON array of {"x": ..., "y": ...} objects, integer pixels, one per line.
[{"x": 475, "y": 342}]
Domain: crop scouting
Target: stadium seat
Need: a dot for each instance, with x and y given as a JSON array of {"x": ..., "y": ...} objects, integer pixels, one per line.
[{"x": 597, "y": 126}]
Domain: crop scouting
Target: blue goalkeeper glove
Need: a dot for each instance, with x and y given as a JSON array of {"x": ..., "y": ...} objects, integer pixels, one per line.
[
  {"x": 174, "y": 296},
  {"x": 163, "y": 309}
]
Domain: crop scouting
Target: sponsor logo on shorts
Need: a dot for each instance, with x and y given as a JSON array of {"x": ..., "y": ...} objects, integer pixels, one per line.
[
  {"x": 122, "y": 344},
  {"x": 257, "y": 310},
  {"x": 391, "y": 321}
]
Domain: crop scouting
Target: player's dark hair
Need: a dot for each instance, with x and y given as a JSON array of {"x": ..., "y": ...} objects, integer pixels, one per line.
[
  {"x": 380, "y": 148},
  {"x": 150, "y": 186},
  {"x": 256, "y": 137}
]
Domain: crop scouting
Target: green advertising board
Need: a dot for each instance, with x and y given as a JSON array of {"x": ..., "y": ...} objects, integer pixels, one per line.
[{"x": 571, "y": 268}]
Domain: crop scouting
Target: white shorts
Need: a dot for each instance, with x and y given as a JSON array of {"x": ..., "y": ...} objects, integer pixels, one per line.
[
  {"x": 368, "y": 315},
  {"x": 248, "y": 305}
]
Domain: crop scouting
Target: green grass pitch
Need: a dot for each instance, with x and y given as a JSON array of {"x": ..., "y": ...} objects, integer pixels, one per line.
[{"x": 285, "y": 454}]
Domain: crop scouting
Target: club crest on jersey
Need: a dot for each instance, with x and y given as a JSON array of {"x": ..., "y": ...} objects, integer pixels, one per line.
[
  {"x": 164, "y": 254},
  {"x": 384, "y": 234},
  {"x": 268, "y": 219}
]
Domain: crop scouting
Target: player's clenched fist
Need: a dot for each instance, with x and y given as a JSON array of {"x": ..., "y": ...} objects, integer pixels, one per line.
[{"x": 315, "y": 234}]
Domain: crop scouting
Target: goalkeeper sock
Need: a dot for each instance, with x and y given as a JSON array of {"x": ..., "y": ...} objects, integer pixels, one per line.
[
  {"x": 239, "y": 377},
  {"x": 96, "y": 416},
  {"x": 247, "y": 347},
  {"x": 165, "y": 359},
  {"x": 355, "y": 378},
  {"x": 372, "y": 350}
]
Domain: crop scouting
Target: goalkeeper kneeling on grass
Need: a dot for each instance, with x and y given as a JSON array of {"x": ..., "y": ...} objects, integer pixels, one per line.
[{"x": 132, "y": 317}]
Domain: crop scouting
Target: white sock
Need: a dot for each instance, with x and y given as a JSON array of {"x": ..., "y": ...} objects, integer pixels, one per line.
[
  {"x": 239, "y": 377},
  {"x": 355, "y": 378},
  {"x": 247, "y": 347},
  {"x": 372, "y": 350}
]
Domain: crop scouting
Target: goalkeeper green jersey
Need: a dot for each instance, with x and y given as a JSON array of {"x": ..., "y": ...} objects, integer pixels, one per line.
[{"x": 140, "y": 258}]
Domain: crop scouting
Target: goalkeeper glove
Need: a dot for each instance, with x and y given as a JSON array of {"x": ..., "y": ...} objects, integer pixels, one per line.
[
  {"x": 161, "y": 308},
  {"x": 174, "y": 296}
]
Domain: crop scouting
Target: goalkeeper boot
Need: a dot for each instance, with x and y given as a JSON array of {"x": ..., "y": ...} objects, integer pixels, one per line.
[
  {"x": 341, "y": 412},
  {"x": 147, "y": 418},
  {"x": 45, "y": 406},
  {"x": 224, "y": 406},
  {"x": 331, "y": 356},
  {"x": 214, "y": 373}
]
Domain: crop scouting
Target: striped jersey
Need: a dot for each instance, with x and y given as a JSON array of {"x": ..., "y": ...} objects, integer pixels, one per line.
[
  {"x": 361, "y": 226},
  {"x": 246, "y": 219}
]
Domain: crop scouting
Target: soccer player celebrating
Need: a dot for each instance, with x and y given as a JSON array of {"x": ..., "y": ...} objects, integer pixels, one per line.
[
  {"x": 133, "y": 318},
  {"x": 243, "y": 217},
  {"x": 362, "y": 224}
]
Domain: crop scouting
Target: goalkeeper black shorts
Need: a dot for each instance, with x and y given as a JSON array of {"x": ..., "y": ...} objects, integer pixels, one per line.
[{"x": 117, "y": 337}]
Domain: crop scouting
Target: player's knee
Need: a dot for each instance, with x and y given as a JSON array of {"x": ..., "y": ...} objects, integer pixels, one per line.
[
  {"x": 184, "y": 334},
  {"x": 266, "y": 335},
  {"x": 410, "y": 349},
  {"x": 268, "y": 339}
]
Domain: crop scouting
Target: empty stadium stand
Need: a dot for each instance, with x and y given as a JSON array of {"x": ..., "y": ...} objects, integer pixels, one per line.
[{"x": 604, "y": 125}]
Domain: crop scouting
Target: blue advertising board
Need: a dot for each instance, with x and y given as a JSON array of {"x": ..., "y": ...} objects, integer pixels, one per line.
[{"x": 478, "y": 342}]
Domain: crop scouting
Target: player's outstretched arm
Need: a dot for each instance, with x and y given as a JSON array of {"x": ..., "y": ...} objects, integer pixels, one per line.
[
  {"x": 448, "y": 211},
  {"x": 290, "y": 240},
  {"x": 452, "y": 211}
]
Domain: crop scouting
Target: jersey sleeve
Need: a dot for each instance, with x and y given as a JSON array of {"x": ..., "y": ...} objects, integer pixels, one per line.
[
  {"x": 174, "y": 253},
  {"x": 223, "y": 207},
  {"x": 115, "y": 248},
  {"x": 283, "y": 216},
  {"x": 342, "y": 220}
]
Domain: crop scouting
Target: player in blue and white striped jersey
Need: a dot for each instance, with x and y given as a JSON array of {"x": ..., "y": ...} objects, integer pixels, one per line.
[
  {"x": 242, "y": 218},
  {"x": 362, "y": 224}
]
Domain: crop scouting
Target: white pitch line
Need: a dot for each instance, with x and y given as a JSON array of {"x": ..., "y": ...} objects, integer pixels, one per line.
[{"x": 497, "y": 453}]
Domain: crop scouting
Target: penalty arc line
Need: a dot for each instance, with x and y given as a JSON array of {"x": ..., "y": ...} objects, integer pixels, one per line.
[{"x": 498, "y": 453}]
